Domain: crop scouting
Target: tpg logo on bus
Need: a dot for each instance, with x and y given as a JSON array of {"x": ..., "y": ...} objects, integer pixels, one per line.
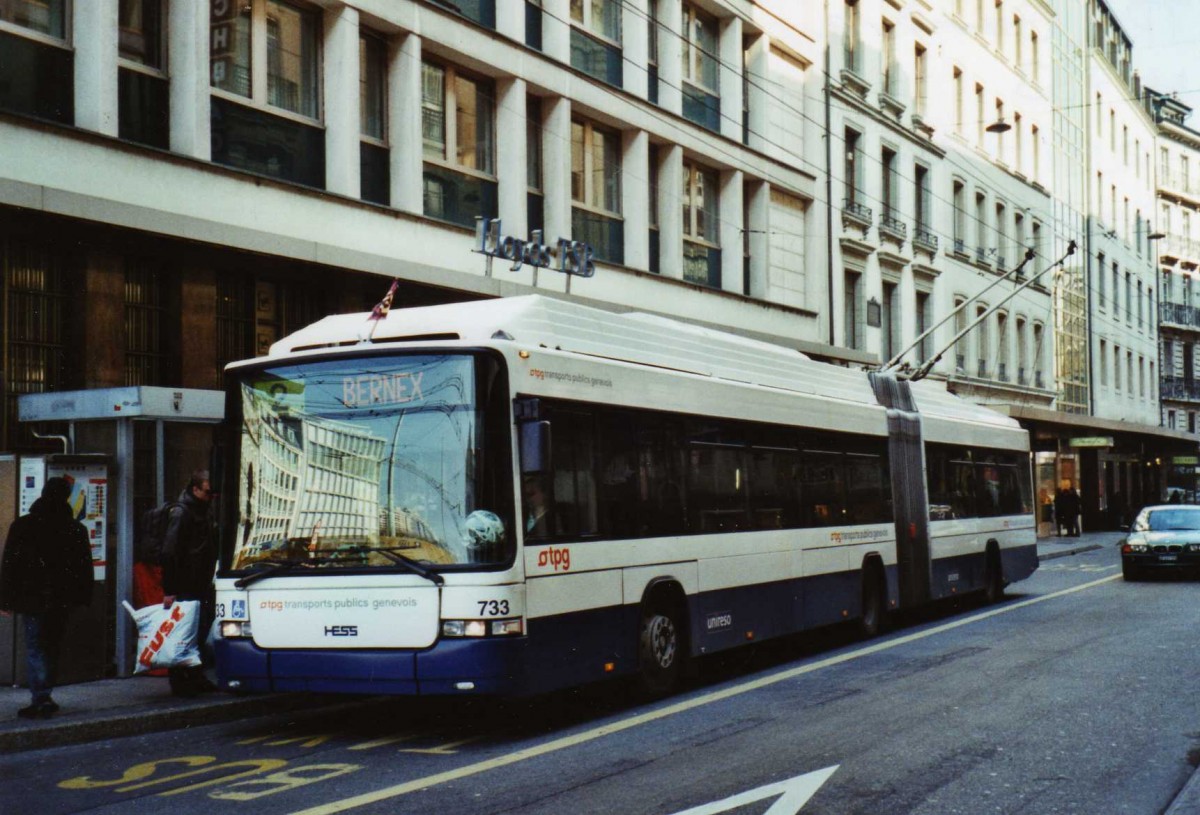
[
  {"x": 558, "y": 558},
  {"x": 567, "y": 256}
]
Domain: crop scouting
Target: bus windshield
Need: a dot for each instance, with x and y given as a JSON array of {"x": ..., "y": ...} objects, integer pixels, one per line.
[{"x": 370, "y": 462}]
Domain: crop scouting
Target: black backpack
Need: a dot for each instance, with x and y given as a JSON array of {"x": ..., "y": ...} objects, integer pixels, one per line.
[{"x": 152, "y": 532}]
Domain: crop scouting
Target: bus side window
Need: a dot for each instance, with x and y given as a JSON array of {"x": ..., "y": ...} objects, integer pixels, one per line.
[
  {"x": 821, "y": 489},
  {"x": 618, "y": 496},
  {"x": 573, "y": 465},
  {"x": 864, "y": 489}
]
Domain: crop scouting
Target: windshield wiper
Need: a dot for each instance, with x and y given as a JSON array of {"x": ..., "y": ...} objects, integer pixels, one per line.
[
  {"x": 400, "y": 560},
  {"x": 278, "y": 567}
]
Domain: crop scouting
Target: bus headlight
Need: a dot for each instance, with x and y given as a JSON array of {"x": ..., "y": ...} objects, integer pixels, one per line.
[
  {"x": 483, "y": 628},
  {"x": 233, "y": 629}
]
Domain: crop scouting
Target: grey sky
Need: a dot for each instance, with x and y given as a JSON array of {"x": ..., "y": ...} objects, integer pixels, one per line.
[{"x": 1166, "y": 46}]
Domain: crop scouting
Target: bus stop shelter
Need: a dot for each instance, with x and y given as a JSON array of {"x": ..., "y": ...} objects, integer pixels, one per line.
[{"x": 121, "y": 426}]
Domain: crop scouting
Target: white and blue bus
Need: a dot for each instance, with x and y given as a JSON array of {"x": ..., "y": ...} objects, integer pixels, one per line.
[{"x": 517, "y": 495}]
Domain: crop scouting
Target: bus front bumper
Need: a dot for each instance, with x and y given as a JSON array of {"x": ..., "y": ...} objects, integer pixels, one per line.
[{"x": 451, "y": 667}]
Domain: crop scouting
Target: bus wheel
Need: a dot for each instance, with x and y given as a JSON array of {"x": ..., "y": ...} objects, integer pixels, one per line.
[
  {"x": 871, "y": 621},
  {"x": 660, "y": 652},
  {"x": 993, "y": 579}
]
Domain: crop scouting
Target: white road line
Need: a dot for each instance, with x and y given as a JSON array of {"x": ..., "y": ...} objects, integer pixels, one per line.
[{"x": 586, "y": 736}]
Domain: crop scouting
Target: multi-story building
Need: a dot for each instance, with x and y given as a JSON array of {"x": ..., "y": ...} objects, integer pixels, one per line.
[
  {"x": 182, "y": 183},
  {"x": 1178, "y": 247}
]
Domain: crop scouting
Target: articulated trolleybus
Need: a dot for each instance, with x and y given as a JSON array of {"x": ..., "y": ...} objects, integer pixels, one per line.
[{"x": 512, "y": 496}]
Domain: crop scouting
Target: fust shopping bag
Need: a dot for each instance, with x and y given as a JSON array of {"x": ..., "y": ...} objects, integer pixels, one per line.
[{"x": 167, "y": 636}]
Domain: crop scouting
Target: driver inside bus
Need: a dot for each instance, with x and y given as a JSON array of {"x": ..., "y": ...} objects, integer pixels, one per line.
[{"x": 537, "y": 507}]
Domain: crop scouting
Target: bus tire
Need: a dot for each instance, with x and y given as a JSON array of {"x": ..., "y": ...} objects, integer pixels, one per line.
[
  {"x": 993, "y": 577},
  {"x": 660, "y": 650},
  {"x": 874, "y": 602}
]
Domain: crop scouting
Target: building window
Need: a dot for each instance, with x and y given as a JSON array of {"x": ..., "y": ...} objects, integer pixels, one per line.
[
  {"x": 142, "y": 89},
  {"x": 919, "y": 79},
  {"x": 850, "y": 44},
  {"x": 38, "y": 291},
  {"x": 247, "y": 133},
  {"x": 921, "y": 198},
  {"x": 960, "y": 217},
  {"x": 958, "y": 102},
  {"x": 1117, "y": 368},
  {"x": 1103, "y": 364},
  {"x": 888, "y": 59},
  {"x": 596, "y": 39},
  {"x": 701, "y": 90},
  {"x": 889, "y": 193},
  {"x": 890, "y": 326},
  {"x": 1002, "y": 372},
  {"x": 1022, "y": 352},
  {"x": 289, "y": 37},
  {"x": 146, "y": 354},
  {"x": 458, "y": 141},
  {"x": 852, "y": 314},
  {"x": 41, "y": 16},
  {"x": 701, "y": 230},
  {"x": 652, "y": 52},
  {"x": 1034, "y": 57},
  {"x": 1100, "y": 279},
  {"x": 924, "y": 321},
  {"x": 596, "y": 190},
  {"x": 852, "y": 166},
  {"x": 981, "y": 341},
  {"x": 372, "y": 116},
  {"x": 960, "y": 325},
  {"x": 1037, "y": 356},
  {"x": 979, "y": 114},
  {"x": 535, "y": 200}
]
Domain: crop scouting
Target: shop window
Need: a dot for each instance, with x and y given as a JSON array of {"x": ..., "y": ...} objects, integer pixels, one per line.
[{"x": 147, "y": 356}]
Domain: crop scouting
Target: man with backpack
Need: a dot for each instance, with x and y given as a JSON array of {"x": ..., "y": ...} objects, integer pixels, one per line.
[
  {"x": 189, "y": 558},
  {"x": 147, "y": 555}
]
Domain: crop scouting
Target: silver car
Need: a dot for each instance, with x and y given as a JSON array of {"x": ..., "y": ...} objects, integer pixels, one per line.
[{"x": 1163, "y": 538}]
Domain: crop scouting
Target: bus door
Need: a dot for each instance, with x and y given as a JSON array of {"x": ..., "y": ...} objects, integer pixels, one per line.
[{"x": 910, "y": 497}]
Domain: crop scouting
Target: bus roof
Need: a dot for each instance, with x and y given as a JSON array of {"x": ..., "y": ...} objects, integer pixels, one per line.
[{"x": 538, "y": 321}]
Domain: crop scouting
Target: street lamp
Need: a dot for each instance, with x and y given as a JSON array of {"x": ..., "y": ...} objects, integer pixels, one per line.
[{"x": 998, "y": 126}]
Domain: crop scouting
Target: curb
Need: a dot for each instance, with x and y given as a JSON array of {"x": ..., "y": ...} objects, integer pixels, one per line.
[
  {"x": 1188, "y": 799},
  {"x": 1067, "y": 552},
  {"x": 121, "y": 722}
]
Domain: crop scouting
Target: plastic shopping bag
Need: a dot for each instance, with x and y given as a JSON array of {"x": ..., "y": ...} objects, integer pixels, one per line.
[{"x": 167, "y": 637}]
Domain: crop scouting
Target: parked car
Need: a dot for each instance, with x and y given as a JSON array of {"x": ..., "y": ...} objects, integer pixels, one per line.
[{"x": 1163, "y": 538}]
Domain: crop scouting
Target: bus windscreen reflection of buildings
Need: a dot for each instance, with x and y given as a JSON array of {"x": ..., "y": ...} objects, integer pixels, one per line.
[{"x": 383, "y": 477}]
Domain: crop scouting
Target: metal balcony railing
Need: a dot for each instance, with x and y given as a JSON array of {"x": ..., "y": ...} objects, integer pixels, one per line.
[
  {"x": 1038, "y": 382},
  {"x": 981, "y": 255},
  {"x": 1002, "y": 371},
  {"x": 890, "y": 225},
  {"x": 960, "y": 246},
  {"x": 1179, "y": 314},
  {"x": 925, "y": 239},
  {"x": 856, "y": 211},
  {"x": 960, "y": 363},
  {"x": 1177, "y": 387},
  {"x": 982, "y": 368},
  {"x": 1022, "y": 378}
]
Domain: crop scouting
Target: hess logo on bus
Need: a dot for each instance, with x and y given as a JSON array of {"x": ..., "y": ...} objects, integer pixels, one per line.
[{"x": 341, "y": 630}]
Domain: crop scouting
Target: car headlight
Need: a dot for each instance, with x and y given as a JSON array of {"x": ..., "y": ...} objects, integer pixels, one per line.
[
  {"x": 1193, "y": 547},
  {"x": 1131, "y": 548}
]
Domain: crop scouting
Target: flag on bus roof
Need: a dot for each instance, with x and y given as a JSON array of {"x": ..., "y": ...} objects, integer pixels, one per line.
[{"x": 385, "y": 305}]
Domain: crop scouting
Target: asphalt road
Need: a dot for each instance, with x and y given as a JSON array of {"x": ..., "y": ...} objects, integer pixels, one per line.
[{"x": 1077, "y": 694}]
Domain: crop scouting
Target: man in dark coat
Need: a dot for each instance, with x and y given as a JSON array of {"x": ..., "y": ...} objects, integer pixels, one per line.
[
  {"x": 189, "y": 558},
  {"x": 47, "y": 569}
]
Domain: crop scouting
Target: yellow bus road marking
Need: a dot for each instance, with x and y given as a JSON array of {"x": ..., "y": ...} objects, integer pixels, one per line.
[
  {"x": 371, "y": 745},
  {"x": 679, "y": 707},
  {"x": 446, "y": 749}
]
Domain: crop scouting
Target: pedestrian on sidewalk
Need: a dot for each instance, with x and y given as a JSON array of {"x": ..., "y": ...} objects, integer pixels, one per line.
[
  {"x": 47, "y": 569},
  {"x": 189, "y": 559}
]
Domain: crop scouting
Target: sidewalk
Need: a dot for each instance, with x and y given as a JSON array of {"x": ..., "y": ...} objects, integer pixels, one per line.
[{"x": 111, "y": 708}]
